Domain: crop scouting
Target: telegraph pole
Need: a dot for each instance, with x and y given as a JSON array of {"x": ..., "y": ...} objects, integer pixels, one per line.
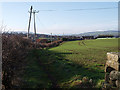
[
  {"x": 29, "y": 21},
  {"x": 32, "y": 11},
  {"x": 51, "y": 37},
  {"x": 34, "y": 22}
]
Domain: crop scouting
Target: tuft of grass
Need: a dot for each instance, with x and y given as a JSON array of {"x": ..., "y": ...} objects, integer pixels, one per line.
[{"x": 100, "y": 83}]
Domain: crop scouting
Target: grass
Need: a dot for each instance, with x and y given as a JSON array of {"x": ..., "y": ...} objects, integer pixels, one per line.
[
  {"x": 69, "y": 63},
  {"x": 93, "y": 52},
  {"x": 34, "y": 75}
]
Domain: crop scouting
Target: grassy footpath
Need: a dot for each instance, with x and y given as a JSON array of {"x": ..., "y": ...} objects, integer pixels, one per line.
[
  {"x": 68, "y": 64},
  {"x": 35, "y": 76}
]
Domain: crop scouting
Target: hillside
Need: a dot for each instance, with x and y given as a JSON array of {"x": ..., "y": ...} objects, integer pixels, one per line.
[{"x": 109, "y": 32}]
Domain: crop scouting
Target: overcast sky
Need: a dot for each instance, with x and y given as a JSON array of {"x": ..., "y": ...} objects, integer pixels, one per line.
[{"x": 61, "y": 17}]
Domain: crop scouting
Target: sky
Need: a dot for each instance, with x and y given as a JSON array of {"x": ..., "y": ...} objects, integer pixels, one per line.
[{"x": 61, "y": 17}]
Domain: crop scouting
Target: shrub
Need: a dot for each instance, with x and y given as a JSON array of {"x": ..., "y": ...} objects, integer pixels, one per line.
[{"x": 14, "y": 50}]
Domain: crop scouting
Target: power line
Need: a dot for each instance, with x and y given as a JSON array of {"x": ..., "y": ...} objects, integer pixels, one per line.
[
  {"x": 50, "y": 10},
  {"x": 91, "y": 9},
  {"x": 47, "y": 10},
  {"x": 84, "y": 9},
  {"x": 39, "y": 20}
]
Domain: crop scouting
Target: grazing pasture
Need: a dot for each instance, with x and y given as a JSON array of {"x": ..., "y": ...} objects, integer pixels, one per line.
[
  {"x": 72, "y": 64},
  {"x": 88, "y": 52}
]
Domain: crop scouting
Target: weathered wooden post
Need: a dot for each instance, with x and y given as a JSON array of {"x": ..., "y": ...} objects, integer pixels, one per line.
[{"x": 29, "y": 21}]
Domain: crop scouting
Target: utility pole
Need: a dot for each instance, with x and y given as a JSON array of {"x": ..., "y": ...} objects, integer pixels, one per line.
[
  {"x": 29, "y": 21},
  {"x": 32, "y": 11},
  {"x": 51, "y": 37},
  {"x": 35, "y": 23}
]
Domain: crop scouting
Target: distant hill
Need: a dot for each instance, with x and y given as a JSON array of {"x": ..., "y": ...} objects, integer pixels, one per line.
[
  {"x": 115, "y": 33},
  {"x": 96, "y": 33}
]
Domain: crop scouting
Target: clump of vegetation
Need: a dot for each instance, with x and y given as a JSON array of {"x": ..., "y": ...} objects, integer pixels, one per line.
[
  {"x": 14, "y": 51},
  {"x": 100, "y": 83},
  {"x": 84, "y": 83},
  {"x": 50, "y": 44},
  {"x": 78, "y": 82}
]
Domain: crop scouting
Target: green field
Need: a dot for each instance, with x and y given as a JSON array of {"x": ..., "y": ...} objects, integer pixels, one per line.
[
  {"x": 93, "y": 52},
  {"x": 69, "y": 63}
]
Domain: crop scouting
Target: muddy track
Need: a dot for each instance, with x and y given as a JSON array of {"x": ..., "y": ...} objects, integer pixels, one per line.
[{"x": 50, "y": 76}]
